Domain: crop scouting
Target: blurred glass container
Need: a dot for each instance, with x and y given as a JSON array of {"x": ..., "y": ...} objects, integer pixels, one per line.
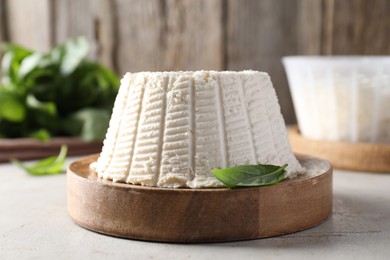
[{"x": 341, "y": 98}]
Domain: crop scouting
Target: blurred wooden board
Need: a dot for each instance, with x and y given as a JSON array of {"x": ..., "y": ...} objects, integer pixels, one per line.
[
  {"x": 366, "y": 157},
  {"x": 27, "y": 148},
  {"x": 199, "y": 215}
]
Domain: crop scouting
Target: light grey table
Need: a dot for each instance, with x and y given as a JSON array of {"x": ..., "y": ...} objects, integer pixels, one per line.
[{"x": 34, "y": 224}]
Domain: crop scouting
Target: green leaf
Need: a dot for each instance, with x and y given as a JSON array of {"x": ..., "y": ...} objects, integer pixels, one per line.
[
  {"x": 250, "y": 175},
  {"x": 6, "y": 67},
  {"x": 41, "y": 134},
  {"x": 20, "y": 51},
  {"x": 11, "y": 108},
  {"x": 75, "y": 51},
  {"x": 13, "y": 56},
  {"x": 45, "y": 90},
  {"x": 47, "y": 166},
  {"x": 46, "y": 107},
  {"x": 44, "y": 84},
  {"x": 29, "y": 63},
  {"x": 90, "y": 124},
  {"x": 57, "y": 54},
  {"x": 106, "y": 77}
]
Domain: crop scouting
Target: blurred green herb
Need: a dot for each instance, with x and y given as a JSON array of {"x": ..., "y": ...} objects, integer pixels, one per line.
[
  {"x": 59, "y": 93},
  {"x": 48, "y": 166},
  {"x": 250, "y": 175}
]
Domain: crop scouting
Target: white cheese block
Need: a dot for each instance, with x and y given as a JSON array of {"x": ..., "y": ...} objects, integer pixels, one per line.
[{"x": 170, "y": 129}]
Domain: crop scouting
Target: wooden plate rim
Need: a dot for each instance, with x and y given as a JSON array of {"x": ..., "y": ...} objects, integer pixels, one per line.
[
  {"x": 366, "y": 157},
  {"x": 94, "y": 179}
]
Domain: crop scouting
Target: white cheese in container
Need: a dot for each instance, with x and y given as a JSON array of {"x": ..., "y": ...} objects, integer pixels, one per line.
[{"x": 341, "y": 98}]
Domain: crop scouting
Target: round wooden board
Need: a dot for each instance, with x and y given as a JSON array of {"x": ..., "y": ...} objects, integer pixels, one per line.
[
  {"x": 343, "y": 155},
  {"x": 199, "y": 215}
]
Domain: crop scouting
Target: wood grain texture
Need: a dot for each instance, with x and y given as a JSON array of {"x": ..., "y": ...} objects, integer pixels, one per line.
[
  {"x": 3, "y": 27},
  {"x": 93, "y": 19},
  {"x": 169, "y": 35},
  {"x": 327, "y": 27},
  {"x": 359, "y": 27},
  {"x": 137, "y": 35},
  {"x": 3, "y": 22},
  {"x": 29, "y": 23},
  {"x": 105, "y": 32},
  {"x": 343, "y": 155},
  {"x": 74, "y": 18},
  {"x": 259, "y": 33},
  {"x": 27, "y": 148},
  {"x": 199, "y": 215}
]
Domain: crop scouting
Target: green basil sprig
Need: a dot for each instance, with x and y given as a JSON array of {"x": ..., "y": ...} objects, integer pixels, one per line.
[
  {"x": 58, "y": 93},
  {"x": 250, "y": 175},
  {"x": 47, "y": 166}
]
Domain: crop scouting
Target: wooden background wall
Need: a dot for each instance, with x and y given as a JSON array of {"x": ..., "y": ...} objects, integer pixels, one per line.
[{"x": 136, "y": 35}]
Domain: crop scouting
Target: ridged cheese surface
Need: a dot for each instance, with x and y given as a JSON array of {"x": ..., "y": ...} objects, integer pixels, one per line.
[{"x": 170, "y": 129}]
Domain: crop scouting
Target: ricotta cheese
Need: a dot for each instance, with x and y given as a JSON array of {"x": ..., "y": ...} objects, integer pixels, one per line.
[{"x": 170, "y": 129}]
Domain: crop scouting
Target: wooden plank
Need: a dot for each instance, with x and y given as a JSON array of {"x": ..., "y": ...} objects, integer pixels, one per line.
[
  {"x": 139, "y": 35},
  {"x": 3, "y": 28},
  {"x": 169, "y": 35},
  {"x": 309, "y": 27},
  {"x": 91, "y": 19},
  {"x": 193, "y": 35},
  {"x": 360, "y": 27},
  {"x": 74, "y": 18},
  {"x": 3, "y": 23},
  {"x": 327, "y": 27},
  {"x": 29, "y": 23},
  {"x": 104, "y": 32},
  {"x": 259, "y": 33}
]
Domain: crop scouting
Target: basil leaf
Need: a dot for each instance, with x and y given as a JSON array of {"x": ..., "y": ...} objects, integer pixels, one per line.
[
  {"x": 6, "y": 68},
  {"x": 43, "y": 90},
  {"x": 41, "y": 134},
  {"x": 20, "y": 51},
  {"x": 29, "y": 63},
  {"x": 46, "y": 107},
  {"x": 250, "y": 175},
  {"x": 75, "y": 51},
  {"x": 47, "y": 166},
  {"x": 11, "y": 108},
  {"x": 44, "y": 84},
  {"x": 90, "y": 124},
  {"x": 13, "y": 55}
]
